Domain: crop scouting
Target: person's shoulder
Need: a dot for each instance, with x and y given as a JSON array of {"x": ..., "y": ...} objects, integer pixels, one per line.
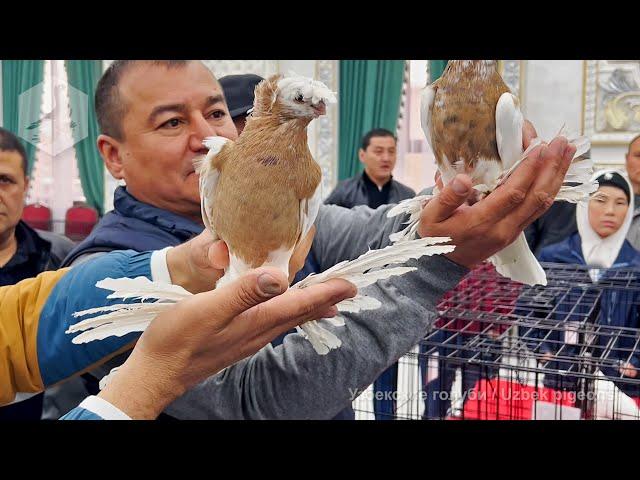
[
  {"x": 632, "y": 252},
  {"x": 348, "y": 181},
  {"x": 342, "y": 190},
  {"x": 405, "y": 190},
  {"x": 61, "y": 244},
  {"x": 557, "y": 252}
]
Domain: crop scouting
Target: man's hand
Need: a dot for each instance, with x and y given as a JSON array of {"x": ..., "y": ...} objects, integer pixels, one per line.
[
  {"x": 210, "y": 331},
  {"x": 480, "y": 230},
  {"x": 547, "y": 357},
  {"x": 198, "y": 264},
  {"x": 628, "y": 370}
]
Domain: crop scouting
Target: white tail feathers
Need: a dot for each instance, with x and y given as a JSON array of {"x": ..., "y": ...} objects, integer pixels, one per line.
[
  {"x": 121, "y": 319},
  {"x": 367, "y": 269},
  {"x": 577, "y": 184},
  {"x": 518, "y": 263},
  {"x": 412, "y": 207},
  {"x": 364, "y": 271}
]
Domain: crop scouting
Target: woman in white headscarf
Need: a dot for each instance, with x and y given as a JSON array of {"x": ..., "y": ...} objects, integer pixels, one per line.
[{"x": 600, "y": 244}]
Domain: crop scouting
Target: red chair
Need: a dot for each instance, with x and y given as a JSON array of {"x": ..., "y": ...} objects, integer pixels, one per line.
[
  {"x": 79, "y": 221},
  {"x": 37, "y": 215}
]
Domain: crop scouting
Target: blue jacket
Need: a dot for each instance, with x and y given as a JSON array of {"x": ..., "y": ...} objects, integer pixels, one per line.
[
  {"x": 618, "y": 308},
  {"x": 135, "y": 225}
]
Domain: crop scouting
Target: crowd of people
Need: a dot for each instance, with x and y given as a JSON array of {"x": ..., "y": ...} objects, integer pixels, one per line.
[{"x": 153, "y": 116}]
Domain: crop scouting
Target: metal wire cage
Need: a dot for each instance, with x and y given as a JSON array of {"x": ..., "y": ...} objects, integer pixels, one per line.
[{"x": 501, "y": 350}]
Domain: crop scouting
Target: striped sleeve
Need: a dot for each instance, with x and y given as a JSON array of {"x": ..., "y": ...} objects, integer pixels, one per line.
[{"x": 35, "y": 351}]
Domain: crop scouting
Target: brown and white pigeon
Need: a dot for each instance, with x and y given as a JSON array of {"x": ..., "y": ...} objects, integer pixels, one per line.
[
  {"x": 261, "y": 195},
  {"x": 473, "y": 124}
]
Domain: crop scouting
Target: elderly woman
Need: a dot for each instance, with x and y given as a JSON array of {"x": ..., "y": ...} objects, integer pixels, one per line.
[{"x": 600, "y": 244}]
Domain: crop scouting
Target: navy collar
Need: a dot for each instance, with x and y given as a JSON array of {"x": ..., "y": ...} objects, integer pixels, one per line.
[
  {"x": 29, "y": 245},
  {"x": 129, "y": 206},
  {"x": 367, "y": 180}
]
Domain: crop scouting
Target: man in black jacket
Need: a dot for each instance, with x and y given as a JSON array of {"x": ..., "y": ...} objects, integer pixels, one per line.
[
  {"x": 24, "y": 252},
  {"x": 375, "y": 186}
]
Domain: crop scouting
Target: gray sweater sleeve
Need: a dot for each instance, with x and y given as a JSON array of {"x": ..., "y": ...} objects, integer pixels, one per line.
[{"x": 291, "y": 381}]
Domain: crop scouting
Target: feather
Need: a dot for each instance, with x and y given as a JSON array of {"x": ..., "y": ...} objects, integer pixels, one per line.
[
  {"x": 107, "y": 378},
  {"x": 292, "y": 85},
  {"x": 509, "y": 122},
  {"x": 517, "y": 262},
  {"x": 363, "y": 271},
  {"x": 359, "y": 272},
  {"x": 426, "y": 107},
  {"x": 393, "y": 254},
  {"x": 208, "y": 177},
  {"x": 117, "y": 323},
  {"x": 143, "y": 288},
  {"x": 309, "y": 209},
  {"x": 322, "y": 340}
]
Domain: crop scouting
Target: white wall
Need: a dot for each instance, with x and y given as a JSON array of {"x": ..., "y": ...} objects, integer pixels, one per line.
[{"x": 553, "y": 95}]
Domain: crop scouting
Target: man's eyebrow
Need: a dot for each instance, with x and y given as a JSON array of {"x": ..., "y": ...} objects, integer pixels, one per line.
[
  {"x": 181, "y": 107},
  {"x": 160, "y": 109},
  {"x": 213, "y": 99}
]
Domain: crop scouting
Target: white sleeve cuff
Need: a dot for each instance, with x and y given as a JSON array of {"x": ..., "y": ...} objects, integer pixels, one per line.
[
  {"x": 103, "y": 409},
  {"x": 159, "y": 267}
]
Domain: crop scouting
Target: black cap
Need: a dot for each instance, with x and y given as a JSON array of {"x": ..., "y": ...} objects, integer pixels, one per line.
[
  {"x": 238, "y": 90},
  {"x": 614, "y": 179}
]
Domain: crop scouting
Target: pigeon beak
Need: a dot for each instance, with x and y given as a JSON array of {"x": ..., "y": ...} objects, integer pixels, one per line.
[{"x": 319, "y": 109}]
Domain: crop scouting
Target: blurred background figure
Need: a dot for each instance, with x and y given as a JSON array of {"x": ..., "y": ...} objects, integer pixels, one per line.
[
  {"x": 633, "y": 171},
  {"x": 375, "y": 186},
  {"x": 24, "y": 252},
  {"x": 600, "y": 244},
  {"x": 238, "y": 91}
]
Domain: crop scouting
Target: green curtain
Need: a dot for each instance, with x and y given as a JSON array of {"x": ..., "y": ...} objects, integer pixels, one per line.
[
  {"x": 370, "y": 93},
  {"x": 436, "y": 67},
  {"x": 22, "y": 87},
  {"x": 83, "y": 75}
]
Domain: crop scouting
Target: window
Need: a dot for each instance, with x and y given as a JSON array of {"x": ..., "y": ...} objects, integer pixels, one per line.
[
  {"x": 416, "y": 165},
  {"x": 54, "y": 179}
]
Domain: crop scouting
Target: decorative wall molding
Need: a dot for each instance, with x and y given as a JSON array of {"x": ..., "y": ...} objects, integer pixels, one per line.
[
  {"x": 512, "y": 72},
  {"x": 611, "y": 101},
  {"x": 327, "y": 71},
  {"x": 221, "y": 68}
]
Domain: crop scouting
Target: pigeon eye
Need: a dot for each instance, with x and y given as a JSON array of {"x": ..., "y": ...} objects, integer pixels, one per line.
[{"x": 299, "y": 98}]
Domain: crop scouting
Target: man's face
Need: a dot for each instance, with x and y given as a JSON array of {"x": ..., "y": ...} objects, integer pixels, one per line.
[
  {"x": 379, "y": 158},
  {"x": 13, "y": 190},
  {"x": 607, "y": 210},
  {"x": 169, "y": 111},
  {"x": 633, "y": 162}
]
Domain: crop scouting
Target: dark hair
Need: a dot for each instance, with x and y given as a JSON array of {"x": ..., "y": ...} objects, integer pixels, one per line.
[
  {"x": 10, "y": 143},
  {"x": 376, "y": 132},
  {"x": 614, "y": 179},
  {"x": 110, "y": 107}
]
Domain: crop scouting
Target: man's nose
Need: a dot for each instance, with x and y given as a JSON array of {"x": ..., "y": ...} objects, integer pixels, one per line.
[{"x": 200, "y": 130}]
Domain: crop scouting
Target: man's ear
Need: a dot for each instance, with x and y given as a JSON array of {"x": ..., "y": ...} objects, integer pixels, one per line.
[
  {"x": 26, "y": 188},
  {"x": 361, "y": 155},
  {"x": 109, "y": 149}
]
